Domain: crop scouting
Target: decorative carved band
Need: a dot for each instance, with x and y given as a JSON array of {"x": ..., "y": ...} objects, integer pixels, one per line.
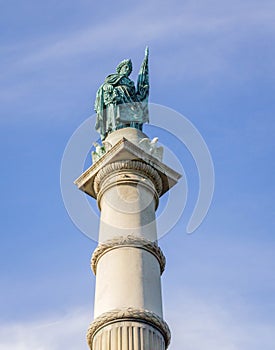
[
  {"x": 128, "y": 335},
  {"x": 143, "y": 168},
  {"x": 129, "y": 241},
  {"x": 129, "y": 314}
]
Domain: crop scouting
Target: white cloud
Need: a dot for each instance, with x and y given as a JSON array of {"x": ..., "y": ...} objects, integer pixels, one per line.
[
  {"x": 167, "y": 25},
  {"x": 196, "y": 322},
  {"x": 54, "y": 333},
  {"x": 190, "y": 41}
]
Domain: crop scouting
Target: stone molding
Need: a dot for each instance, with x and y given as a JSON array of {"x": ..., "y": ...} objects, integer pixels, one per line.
[
  {"x": 128, "y": 335},
  {"x": 122, "y": 151},
  {"x": 129, "y": 314},
  {"x": 130, "y": 165},
  {"x": 129, "y": 241}
]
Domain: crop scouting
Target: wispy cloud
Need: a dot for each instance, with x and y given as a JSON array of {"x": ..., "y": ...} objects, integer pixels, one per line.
[
  {"x": 205, "y": 41},
  {"x": 215, "y": 325},
  {"x": 168, "y": 26},
  {"x": 194, "y": 323},
  {"x": 54, "y": 333}
]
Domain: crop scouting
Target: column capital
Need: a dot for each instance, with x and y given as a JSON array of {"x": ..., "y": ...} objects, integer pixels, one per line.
[
  {"x": 122, "y": 152},
  {"x": 127, "y": 172}
]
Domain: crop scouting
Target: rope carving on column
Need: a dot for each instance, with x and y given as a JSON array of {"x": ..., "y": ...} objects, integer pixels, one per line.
[
  {"x": 129, "y": 241},
  {"x": 129, "y": 314}
]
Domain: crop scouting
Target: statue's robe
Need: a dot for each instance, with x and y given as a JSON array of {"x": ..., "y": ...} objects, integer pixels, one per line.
[{"x": 118, "y": 104}]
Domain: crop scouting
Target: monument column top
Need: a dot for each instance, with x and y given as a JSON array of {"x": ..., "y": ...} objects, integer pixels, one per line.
[
  {"x": 127, "y": 178},
  {"x": 124, "y": 150}
]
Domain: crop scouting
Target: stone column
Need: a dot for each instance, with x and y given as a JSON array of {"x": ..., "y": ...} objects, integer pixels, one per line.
[{"x": 127, "y": 183}]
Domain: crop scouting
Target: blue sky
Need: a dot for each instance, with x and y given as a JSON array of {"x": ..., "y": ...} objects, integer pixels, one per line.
[{"x": 213, "y": 62}]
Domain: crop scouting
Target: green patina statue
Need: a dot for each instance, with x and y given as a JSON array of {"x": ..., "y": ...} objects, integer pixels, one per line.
[{"x": 118, "y": 103}]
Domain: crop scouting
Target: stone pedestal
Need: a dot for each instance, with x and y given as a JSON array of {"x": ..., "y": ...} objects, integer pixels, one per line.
[{"x": 127, "y": 182}]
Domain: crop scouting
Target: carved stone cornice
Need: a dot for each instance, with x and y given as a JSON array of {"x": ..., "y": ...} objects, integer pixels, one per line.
[
  {"x": 129, "y": 314},
  {"x": 124, "y": 150},
  {"x": 129, "y": 241},
  {"x": 143, "y": 169}
]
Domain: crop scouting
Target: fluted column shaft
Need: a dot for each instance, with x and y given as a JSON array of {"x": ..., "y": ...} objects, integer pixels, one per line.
[{"x": 128, "y": 336}]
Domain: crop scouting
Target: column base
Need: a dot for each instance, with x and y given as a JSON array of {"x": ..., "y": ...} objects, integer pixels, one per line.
[
  {"x": 128, "y": 335},
  {"x": 128, "y": 329}
]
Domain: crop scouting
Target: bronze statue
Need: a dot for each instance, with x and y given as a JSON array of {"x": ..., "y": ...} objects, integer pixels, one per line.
[{"x": 118, "y": 103}]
